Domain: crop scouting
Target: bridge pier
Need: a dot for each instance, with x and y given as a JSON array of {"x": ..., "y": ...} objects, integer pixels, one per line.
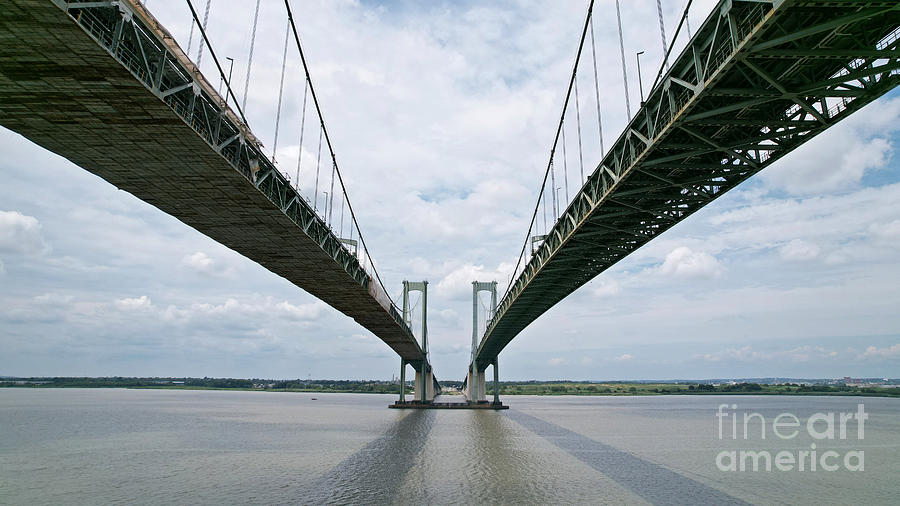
[
  {"x": 402, "y": 381},
  {"x": 496, "y": 383},
  {"x": 475, "y": 388},
  {"x": 424, "y": 392}
]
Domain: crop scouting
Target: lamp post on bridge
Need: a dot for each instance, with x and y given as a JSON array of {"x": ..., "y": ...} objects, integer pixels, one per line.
[{"x": 640, "y": 81}]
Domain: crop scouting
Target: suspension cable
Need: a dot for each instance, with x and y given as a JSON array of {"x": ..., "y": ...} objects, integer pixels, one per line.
[
  {"x": 624, "y": 69},
  {"x": 553, "y": 190},
  {"x": 205, "y": 24},
  {"x": 190, "y": 38},
  {"x": 250, "y": 57},
  {"x": 318, "y": 160},
  {"x": 578, "y": 123},
  {"x": 565, "y": 163},
  {"x": 302, "y": 125},
  {"x": 362, "y": 240},
  {"x": 280, "y": 92},
  {"x": 559, "y": 127},
  {"x": 331, "y": 193},
  {"x": 218, "y": 65},
  {"x": 597, "y": 91},
  {"x": 672, "y": 45},
  {"x": 662, "y": 28}
]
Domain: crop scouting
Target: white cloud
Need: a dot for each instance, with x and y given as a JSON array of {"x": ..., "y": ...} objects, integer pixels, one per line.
[
  {"x": 888, "y": 232},
  {"x": 458, "y": 283},
  {"x": 624, "y": 357},
  {"x": 606, "y": 287},
  {"x": 887, "y": 352},
  {"x": 684, "y": 262},
  {"x": 141, "y": 303},
  {"x": 799, "y": 250},
  {"x": 204, "y": 264},
  {"x": 748, "y": 354},
  {"x": 557, "y": 361},
  {"x": 20, "y": 234}
]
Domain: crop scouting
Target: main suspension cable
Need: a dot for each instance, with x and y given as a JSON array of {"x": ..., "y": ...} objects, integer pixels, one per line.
[
  {"x": 559, "y": 127},
  {"x": 362, "y": 240}
]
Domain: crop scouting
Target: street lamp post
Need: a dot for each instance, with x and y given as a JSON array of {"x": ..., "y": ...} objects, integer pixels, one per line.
[{"x": 640, "y": 81}]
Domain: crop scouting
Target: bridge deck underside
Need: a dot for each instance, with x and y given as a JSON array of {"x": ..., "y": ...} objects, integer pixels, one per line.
[
  {"x": 754, "y": 83},
  {"x": 60, "y": 89}
]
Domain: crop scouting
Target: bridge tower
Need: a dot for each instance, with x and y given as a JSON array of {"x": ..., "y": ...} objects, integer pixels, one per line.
[
  {"x": 424, "y": 384},
  {"x": 475, "y": 383}
]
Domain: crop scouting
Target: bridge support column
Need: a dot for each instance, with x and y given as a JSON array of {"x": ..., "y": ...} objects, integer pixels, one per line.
[
  {"x": 402, "y": 381},
  {"x": 496, "y": 383},
  {"x": 424, "y": 386},
  {"x": 475, "y": 391}
]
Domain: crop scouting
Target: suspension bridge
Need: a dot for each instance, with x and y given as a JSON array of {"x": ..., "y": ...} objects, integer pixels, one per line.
[
  {"x": 105, "y": 85},
  {"x": 754, "y": 82}
]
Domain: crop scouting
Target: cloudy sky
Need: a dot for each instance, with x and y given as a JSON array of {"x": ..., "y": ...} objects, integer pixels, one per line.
[{"x": 442, "y": 115}]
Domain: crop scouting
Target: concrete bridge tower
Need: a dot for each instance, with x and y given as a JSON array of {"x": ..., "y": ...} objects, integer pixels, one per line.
[
  {"x": 475, "y": 383},
  {"x": 424, "y": 384}
]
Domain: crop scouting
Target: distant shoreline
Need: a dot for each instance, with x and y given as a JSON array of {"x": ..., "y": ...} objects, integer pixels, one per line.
[{"x": 584, "y": 389}]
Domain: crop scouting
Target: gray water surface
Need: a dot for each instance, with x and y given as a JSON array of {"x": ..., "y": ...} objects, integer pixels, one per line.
[{"x": 102, "y": 446}]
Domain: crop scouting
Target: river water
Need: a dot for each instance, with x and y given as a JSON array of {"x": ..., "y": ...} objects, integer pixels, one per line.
[{"x": 102, "y": 446}]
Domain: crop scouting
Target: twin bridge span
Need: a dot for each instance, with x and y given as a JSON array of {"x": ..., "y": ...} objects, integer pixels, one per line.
[{"x": 104, "y": 85}]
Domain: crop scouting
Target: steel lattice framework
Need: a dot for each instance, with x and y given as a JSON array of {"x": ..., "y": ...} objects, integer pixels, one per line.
[
  {"x": 103, "y": 84},
  {"x": 757, "y": 80}
]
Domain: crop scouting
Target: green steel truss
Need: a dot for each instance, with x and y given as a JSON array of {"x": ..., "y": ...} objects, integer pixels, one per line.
[
  {"x": 152, "y": 57},
  {"x": 756, "y": 81}
]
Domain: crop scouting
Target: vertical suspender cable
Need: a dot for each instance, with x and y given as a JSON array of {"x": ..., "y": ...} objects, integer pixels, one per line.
[
  {"x": 341, "y": 233},
  {"x": 302, "y": 125},
  {"x": 544, "y": 204},
  {"x": 280, "y": 92},
  {"x": 553, "y": 191},
  {"x": 684, "y": 17},
  {"x": 362, "y": 241},
  {"x": 318, "y": 159},
  {"x": 191, "y": 37},
  {"x": 205, "y": 39},
  {"x": 624, "y": 69},
  {"x": 662, "y": 29},
  {"x": 250, "y": 56},
  {"x": 565, "y": 162},
  {"x": 205, "y": 24},
  {"x": 331, "y": 194},
  {"x": 597, "y": 91},
  {"x": 687, "y": 22},
  {"x": 578, "y": 122},
  {"x": 537, "y": 205}
]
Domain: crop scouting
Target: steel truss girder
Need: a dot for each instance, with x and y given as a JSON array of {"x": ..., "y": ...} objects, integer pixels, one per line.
[{"x": 795, "y": 67}]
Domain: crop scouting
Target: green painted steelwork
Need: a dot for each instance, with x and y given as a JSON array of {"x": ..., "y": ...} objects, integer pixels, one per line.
[{"x": 756, "y": 81}]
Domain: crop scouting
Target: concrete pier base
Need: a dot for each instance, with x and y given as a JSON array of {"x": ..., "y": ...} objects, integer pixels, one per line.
[
  {"x": 428, "y": 387},
  {"x": 475, "y": 388},
  {"x": 448, "y": 402}
]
